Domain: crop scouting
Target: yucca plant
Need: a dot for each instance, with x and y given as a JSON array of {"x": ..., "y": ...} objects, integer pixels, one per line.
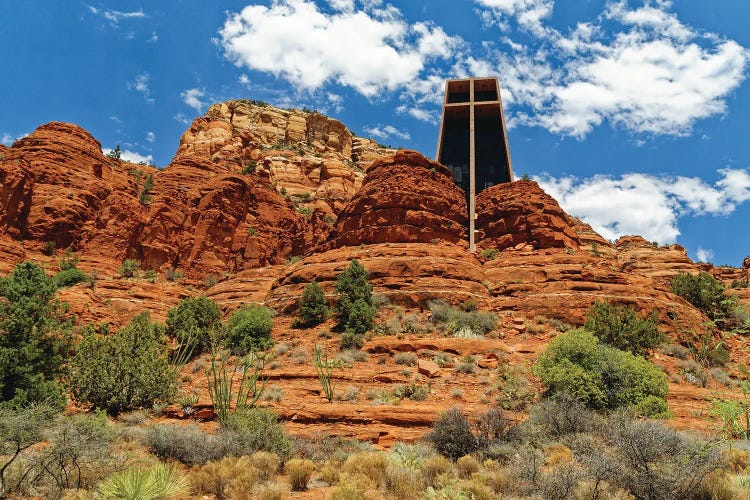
[{"x": 159, "y": 481}]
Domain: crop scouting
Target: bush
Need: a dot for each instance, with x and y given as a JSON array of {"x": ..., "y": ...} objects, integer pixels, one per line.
[
  {"x": 193, "y": 323},
  {"x": 188, "y": 444},
  {"x": 70, "y": 277},
  {"x": 369, "y": 463},
  {"x": 34, "y": 338},
  {"x": 68, "y": 261},
  {"x": 621, "y": 327},
  {"x": 253, "y": 430},
  {"x": 249, "y": 329},
  {"x": 355, "y": 309},
  {"x": 129, "y": 267},
  {"x": 451, "y": 435},
  {"x": 313, "y": 309},
  {"x": 299, "y": 472},
  {"x": 229, "y": 477},
  {"x": 707, "y": 294},
  {"x": 462, "y": 323},
  {"x": 351, "y": 340},
  {"x": 126, "y": 370},
  {"x": 599, "y": 376}
]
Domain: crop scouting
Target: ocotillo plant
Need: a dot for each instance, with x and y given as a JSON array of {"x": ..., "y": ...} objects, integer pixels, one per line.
[
  {"x": 324, "y": 369},
  {"x": 221, "y": 384}
]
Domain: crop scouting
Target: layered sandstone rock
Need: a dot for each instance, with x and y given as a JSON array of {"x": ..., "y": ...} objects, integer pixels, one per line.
[
  {"x": 407, "y": 273},
  {"x": 522, "y": 213},
  {"x": 302, "y": 153},
  {"x": 405, "y": 198},
  {"x": 662, "y": 263},
  {"x": 564, "y": 285}
]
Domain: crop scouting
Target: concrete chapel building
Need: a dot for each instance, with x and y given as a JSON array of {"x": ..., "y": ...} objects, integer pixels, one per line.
[{"x": 473, "y": 141}]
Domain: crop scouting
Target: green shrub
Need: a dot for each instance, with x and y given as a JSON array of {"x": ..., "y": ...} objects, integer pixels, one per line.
[
  {"x": 70, "y": 277},
  {"x": 129, "y": 267},
  {"x": 451, "y": 435},
  {"x": 355, "y": 309},
  {"x": 34, "y": 338},
  {"x": 313, "y": 309},
  {"x": 193, "y": 323},
  {"x": 652, "y": 407},
  {"x": 600, "y": 376},
  {"x": 351, "y": 340},
  {"x": 126, "y": 370},
  {"x": 489, "y": 253},
  {"x": 188, "y": 444},
  {"x": 253, "y": 430},
  {"x": 249, "y": 329},
  {"x": 462, "y": 323},
  {"x": 707, "y": 294},
  {"x": 621, "y": 327},
  {"x": 69, "y": 260}
]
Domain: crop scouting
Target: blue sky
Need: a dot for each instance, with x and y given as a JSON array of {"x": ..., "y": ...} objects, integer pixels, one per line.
[{"x": 633, "y": 114}]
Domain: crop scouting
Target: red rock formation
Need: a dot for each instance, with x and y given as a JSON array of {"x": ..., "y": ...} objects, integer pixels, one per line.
[
  {"x": 55, "y": 181},
  {"x": 405, "y": 198},
  {"x": 406, "y": 273},
  {"x": 662, "y": 263},
  {"x": 521, "y": 213}
]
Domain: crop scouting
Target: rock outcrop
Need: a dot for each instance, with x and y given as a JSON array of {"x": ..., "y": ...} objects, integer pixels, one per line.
[
  {"x": 522, "y": 213},
  {"x": 405, "y": 198}
]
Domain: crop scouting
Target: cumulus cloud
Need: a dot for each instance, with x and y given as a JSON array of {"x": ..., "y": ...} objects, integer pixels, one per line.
[
  {"x": 150, "y": 136},
  {"x": 704, "y": 254},
  {"x": 141, "y": 84},
  {"x": 651, "y": 74},
  {"x": 296, "y": 40},
  {"x": 181, "y": 118},
  {"x": 132, "y": 156},
  {"x": 644, "y": 204},
  {"x": 387, "y": 132},
  {"x": 192, "y": 97},
  {"x": 528, "y": 13},
  {"x": 425, "y": 115}
]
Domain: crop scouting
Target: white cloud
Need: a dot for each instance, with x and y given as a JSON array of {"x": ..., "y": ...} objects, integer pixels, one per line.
[
  {"x": 704, "y": 255},
  {"x": 652, "y": 75},
  {"x": 181, "y": 118},
  {"x": 140, "y": 84},
  {"x": 192, "y": 97},
  {"x": 425, "y": 115},
  {"x": 647, "y": 205},
  {"x": 297, "y": 41},
  {"x": 115, "y": 16},
  {"x": 9, "y": 139},
  {"x": 244, "y": 80},
  {"x": 132, "y": 156},
  {"x": 345, "y": 5},
  {"x": 386, "y": 132},
  {"x": 150, "y": 136},
  {"x": 528, "y": 13},
  {"x": 153, "y": 38}
]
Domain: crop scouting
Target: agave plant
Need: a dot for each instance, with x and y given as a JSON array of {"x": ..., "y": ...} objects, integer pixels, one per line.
[{"x": 159, "y": 481}]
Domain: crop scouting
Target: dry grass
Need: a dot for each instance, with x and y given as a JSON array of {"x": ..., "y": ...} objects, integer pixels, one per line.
[
  {"x": 266, "y": 463},
  {"x": 370, "y": 463},
  {"x": 466, "y": 466},
  {"x": 220, "y": 478},
  {"x": 434, "y": 467},
  {"x": 405, "y": 358},
  {"x": 299, "y": 472},
  {"x": 351, "y": 487},
  {"x": 272, "y": 491},
  {"x": 403, "y": 482}
]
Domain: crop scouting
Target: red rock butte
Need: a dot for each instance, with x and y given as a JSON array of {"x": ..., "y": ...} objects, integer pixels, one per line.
[{"x": 260, "y": 201}]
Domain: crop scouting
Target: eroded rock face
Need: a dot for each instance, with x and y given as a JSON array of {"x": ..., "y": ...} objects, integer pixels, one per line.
[
  {"x": 54, "y": 182},
  {"x": 522, "y": 213},
  {"x": 303, "y": 154},
  {"x": 405, "y": 198},
  {"x": 407, "y": 273}
]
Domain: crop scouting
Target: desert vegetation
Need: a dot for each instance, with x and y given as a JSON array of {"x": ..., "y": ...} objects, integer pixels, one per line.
[{"x": 595, "y": 401}]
